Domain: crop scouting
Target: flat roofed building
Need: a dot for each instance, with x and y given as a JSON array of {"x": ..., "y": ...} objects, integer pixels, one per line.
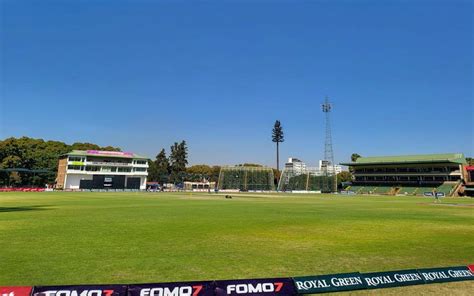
[
  {"x": 331, "y": 168},
  {"x": 93, "y": 169},
  {"x": 412, "y": 172},
  {"x": 295, "y": 164}
]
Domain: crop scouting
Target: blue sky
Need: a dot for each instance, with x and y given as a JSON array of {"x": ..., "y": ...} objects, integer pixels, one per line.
[{"x": 143, "y": 74}]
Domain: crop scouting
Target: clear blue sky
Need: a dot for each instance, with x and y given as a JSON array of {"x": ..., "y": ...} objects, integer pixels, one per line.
[{"x": 143, "y": 74}]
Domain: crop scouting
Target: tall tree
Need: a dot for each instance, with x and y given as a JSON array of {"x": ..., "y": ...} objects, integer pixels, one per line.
[
  {"x": 278, "y": 137},
  {"x": 354, "y": 157},
  {"x": 162, "y": 167},
  {"x": 178, "y": 161}
]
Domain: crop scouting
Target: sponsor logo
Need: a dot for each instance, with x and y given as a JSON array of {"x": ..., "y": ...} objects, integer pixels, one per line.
[
  {"x": 449, "y": 274},
  {"x": 276, "y": 286},
  {"x": 329, "y": 283},
  {"x": 334, "y": 282},
  {"x": 254, "y": 288},
  {"x": 392, "y": 279},
  {"x": 172, "y": 291},
  {"x": 76, "y": 293},
  {"x": 114, "y": 153},
  {"x": 111, "y": 290}
]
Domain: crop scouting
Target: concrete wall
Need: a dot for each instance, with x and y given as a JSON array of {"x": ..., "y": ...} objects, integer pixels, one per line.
[{"x": 73, "y": 181}]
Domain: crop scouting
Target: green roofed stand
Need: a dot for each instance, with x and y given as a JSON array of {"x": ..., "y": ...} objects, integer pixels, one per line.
[{"x": 425, "y": 158}]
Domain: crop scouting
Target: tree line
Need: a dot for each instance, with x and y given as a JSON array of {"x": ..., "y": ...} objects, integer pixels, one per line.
[{"x": 35, "y": 154}]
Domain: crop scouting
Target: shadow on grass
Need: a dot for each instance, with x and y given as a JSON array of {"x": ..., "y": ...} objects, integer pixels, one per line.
[{"x": 21, "y": 209}]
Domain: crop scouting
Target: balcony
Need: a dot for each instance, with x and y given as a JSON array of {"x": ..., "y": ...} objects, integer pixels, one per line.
[
  {"x": 104, "y": 163},
  {"x": 83, "y": 172},
  {"x": 426, "y": 173}
]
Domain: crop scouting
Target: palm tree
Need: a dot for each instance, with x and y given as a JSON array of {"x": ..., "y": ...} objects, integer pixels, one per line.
[
  {"x": 277, "y": 137},
  {"x": 354, "y": 157}
]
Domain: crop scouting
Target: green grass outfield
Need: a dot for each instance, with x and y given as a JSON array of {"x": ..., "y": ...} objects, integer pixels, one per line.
[{"x": 84, "y": 238}]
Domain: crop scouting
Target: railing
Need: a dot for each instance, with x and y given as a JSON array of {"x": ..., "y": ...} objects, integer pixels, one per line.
[
  {"x": 104, "y": 163},
  {"x": 73, "y": 171},
  {"x": 408, "y": 173}
]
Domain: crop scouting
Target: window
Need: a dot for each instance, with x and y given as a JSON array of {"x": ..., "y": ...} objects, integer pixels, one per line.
[
  {"x": 140, "y": 161},
  {"x": 124, "y": 170},
  {"x": 92, "y": 168},
  {"x": 140, "y": 169},
  {"x": 76, "y": 158},
  {"x": 75, "y": 167}
]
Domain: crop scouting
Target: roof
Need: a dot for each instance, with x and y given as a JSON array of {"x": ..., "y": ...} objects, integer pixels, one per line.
[
  {"x": 403, "y": 159},
  {"x": 117, "y": 154}
]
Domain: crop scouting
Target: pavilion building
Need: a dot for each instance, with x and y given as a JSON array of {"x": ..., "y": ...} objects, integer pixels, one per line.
[{"x": 93, "y": 169}]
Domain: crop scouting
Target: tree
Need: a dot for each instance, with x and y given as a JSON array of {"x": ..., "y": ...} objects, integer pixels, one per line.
[
  {"x": 152, "y": 171},
  {"x": 344, "y": 177},
  {"x": 162, "y": 167},
  {"x": 278, "y": 137},
  {"x": 470, "y": 160},
  {"x": 354, "y": 157},
  {"x": 178, "y": 161},
  {"x": 199, "y": 172}
]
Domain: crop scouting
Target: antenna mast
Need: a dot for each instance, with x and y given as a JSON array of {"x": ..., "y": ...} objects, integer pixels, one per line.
[{"x": 328, "y": 152}]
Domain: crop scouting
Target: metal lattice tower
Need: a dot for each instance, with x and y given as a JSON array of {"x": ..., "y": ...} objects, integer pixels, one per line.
[{"x": 328, "y": 152}]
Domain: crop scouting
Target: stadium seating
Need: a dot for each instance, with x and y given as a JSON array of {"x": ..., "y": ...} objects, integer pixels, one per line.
[
  {"x": 383, "y": 189},
  {"x": 422, "y": 190},
  {"x": 356, "y": 189},
  {"x": 408, "y": 190},
  {"x": 446, "y": 187},
  {"x": 370, "y": 189}
]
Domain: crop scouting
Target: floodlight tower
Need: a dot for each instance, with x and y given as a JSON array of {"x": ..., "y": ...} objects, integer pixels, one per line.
[{"x": 328, "y": 152}]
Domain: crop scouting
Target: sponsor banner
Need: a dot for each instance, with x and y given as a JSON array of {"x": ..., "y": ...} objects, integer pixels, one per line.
[
  {"x": 471, "y": 267},
  {"x": 446, "y": 274},
  {"x": 256, "y": 287},
  {"x": 110, "y": 153},
  {"x": 389, "y": 279},
  {"x": 81, "y": 290},
  {"x": 172, "y": 289},
  {"x": 329, "y": 283},
  {"x": 16, "y": 291}
]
